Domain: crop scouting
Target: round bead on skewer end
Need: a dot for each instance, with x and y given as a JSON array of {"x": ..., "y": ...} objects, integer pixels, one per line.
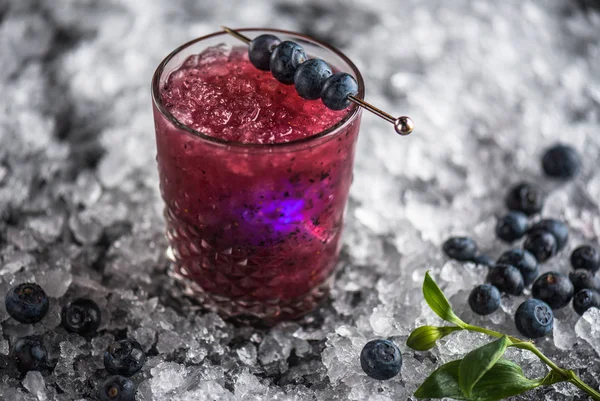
[{"x": 404, "y": 125}]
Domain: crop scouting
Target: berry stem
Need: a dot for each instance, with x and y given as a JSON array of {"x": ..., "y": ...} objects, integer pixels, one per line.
[
  {"x": 489, "y": 332},
  {"x": 532, "y": 348},
  {"x": 565, "y": 374},
  {"x": 576, "y": 380}
]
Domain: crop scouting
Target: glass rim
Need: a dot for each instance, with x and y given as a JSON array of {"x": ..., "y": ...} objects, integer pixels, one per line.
[{"x": 340, "y": 125}]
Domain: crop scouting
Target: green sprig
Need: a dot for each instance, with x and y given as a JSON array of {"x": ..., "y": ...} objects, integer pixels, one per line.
[{"x": 482, "y": 375}]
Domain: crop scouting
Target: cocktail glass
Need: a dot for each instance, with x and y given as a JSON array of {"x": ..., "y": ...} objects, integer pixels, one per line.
[{"x": 254, "y": 229}]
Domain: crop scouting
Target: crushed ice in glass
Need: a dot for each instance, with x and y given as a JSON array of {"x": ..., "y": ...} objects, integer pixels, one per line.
[{"x": 489, "y": 86}]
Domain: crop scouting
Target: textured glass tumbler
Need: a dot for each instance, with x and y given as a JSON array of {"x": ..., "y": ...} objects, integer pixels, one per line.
[{"x": 254, "y": 230}]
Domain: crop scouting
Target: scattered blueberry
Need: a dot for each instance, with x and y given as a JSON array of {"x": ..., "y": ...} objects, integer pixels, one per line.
[
  {"x": 285, "y": 59},
  {"x": 381, "y": 359},
  {"x": 584, "y": 279},
  {"x": 460, "y": 248},
  {"x": 541, "y": 244},
  {"x": 554, "y": 227},
  {"x": 506, "y": 278},
  {"x": 584, "y": 300},
  {"x": 534, "y": 318},
  {"x": 561, "y": 161},
  {"x": 586, "y": 257},
  {"x": 522, "y": 260},
  {"x": 484, "y": 260},
  {"x": 27, "y": 303},
  {"x": 125, "y": 357},
  {"x": 336, "y": 90},
  {"x": 260, "y": 49},
  {"x": 553, "y": 288},
  {"x": 484, "y": 299},
  {"x": 310, "y": 77},
  {"x": 525, "y": 198},
  {"x": 81, "y": 316},
  {"x": 30, "y": 354},
  {"x": 512, "y": 226},
  {"x": 117, "y": 388}
]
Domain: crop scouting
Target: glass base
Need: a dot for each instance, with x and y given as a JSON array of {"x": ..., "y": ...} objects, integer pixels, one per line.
[
  {"x": 267, "y": 312},
  {"x": 240, "y": 285}
]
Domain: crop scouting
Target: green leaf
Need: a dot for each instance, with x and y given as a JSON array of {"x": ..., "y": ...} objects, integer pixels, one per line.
[
  {"x": 504, "y": 379},
  {"x": 442, "y": 383},
  {"x": 424, "y": 337},
  {"x": 477, "y": 362},
  {"x": 438, "y": 303}
]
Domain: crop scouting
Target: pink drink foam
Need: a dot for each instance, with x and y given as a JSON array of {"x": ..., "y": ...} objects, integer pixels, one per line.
[{"x": 221, "y": 94}]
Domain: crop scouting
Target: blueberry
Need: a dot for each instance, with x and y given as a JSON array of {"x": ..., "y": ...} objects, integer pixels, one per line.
[
  {"x": 586, "y": 257},
  {"x": 27, "y": 303},
  {"x": 553, "y": 288},
  {"x": 381, "y": 359},
  {"x": 506, "y": 278},
  {"x": 534, "y": 318},
  {"x": 522, "y": 260},
  {"x": 561, "y": 161},
  {"x": 285, "y": 59},
  {"x": 30, "y": 354},
  {"x": 584, "y": 279},
  {"x": 81, "y": 316},
  {"x": 541, "y": 244},
  {"x": 260, "y": 50},
  {"x": 310, "y": 77},
  {"x": 460, "y": 248},
  {"x": 484, "y": 260},
  {"x": 554, "y": 227},
  {"x": 584, "y": 300},
  {"x": 512, "y": 226},
  {"x": 525, "y": 198},
  {"x": 336, "y": 90},
  {"x": 484, "y": 299},
  {"x": 125, "y": 357},
  {"x": 117, "y": 388}
]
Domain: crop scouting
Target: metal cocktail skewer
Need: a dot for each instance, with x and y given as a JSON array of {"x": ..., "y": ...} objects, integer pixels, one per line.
[{"x": 403, "y": 125}]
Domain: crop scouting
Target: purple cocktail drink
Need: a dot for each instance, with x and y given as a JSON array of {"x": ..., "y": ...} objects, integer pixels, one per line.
[{"x": 255, "y": 179}]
